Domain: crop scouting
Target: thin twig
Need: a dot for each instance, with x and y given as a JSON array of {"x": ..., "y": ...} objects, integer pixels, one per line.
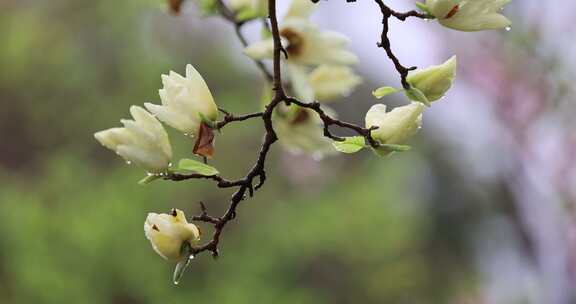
[
  {"x": 221, "y": 182},
  {"x": 230, "y": 16},
  {"x": 258, "y": 170},
  {"x": 228, "y": 118},
  {"x": 259, "y": 63},
  {"x": 329, "y": 121}
]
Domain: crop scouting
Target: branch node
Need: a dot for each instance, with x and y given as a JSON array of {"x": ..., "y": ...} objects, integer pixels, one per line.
[
  {"x": 250, "y": 188},
  {"x": 262, "y": 177},
  {"x": 215, "y": 253}
]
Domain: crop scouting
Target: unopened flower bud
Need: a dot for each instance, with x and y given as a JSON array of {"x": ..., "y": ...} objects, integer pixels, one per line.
[
  {"x": 434, "y": 81},
  {"x": 186, "y": 101},
  {"x": 168, "y": 232},
  {"x": 396, "y": 126}
]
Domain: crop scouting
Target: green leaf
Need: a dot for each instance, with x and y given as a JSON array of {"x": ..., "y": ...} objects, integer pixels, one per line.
[
  {"x": 196, "y": 166},
  {"x": 417, "y": 95},
  {"x": 183, "y": 264},
  {"x": 149, "y": 178},
  {"x": 396, "y": 148},
  {"x": 208, "y": 7},
  {"x": 384, "y": 91},
  {"x": 207, "y": 121},
  {"x": 421, "y": 6},
  {"x": 350, "y": 144},
  {"x": 387, "y": 149}
]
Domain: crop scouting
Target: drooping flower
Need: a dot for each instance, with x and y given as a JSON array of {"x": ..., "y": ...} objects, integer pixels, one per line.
[
  {"x": 434, "y": 81},
  {"x": 142, "y": 141},
  {"x": 168, "y": 233},
  {"x": 304, "y": 42},
  {"x": 469, "y": 15},
  {"x": 396, "y": 126},
  {"x": 188, "y": 106}
]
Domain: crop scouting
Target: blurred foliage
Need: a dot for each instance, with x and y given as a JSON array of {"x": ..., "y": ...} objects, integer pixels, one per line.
[
  {"x": 77, "y": 235},
  {"x": 72, "y": 214}
]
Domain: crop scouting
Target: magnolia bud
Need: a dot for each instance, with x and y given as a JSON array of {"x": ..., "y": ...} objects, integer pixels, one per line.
[
  {"x": 469, "y": 15},
  {"x": 142, "y": 141},
  {"x": 396, "y": 126},
  {"x": 168, "y": 232},
  {"x": 434, "y": 81},
  {"x": 186, "y": 102}
]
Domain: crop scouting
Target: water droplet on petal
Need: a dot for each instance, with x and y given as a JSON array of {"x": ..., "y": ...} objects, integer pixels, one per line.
[{"x": 508, "y": 28}]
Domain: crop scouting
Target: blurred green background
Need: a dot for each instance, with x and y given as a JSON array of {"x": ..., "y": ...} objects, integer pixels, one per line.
[{"x": 347, "y": 229}]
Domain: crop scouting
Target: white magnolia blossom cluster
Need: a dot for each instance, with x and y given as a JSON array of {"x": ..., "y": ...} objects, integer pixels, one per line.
[
  {"x": 318, "y": 66},
  {"x": 318, "y": 61},
  {"x": 187, "y": 105},
  {"x": 396, "y": 126}
]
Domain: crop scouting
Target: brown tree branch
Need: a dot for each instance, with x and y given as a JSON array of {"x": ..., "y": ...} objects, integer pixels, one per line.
[
  {"x": 228, "y": 118},
  {"x": 384, "y": 42},
  {"x": 329, "y": 121},
  {"x": 258, "y": 170},
  {"x": 246, "y": 184}
]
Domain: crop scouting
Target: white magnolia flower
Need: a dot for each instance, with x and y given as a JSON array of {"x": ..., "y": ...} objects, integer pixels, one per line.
[
  {"x": 168, "y": 232},
  {"x": 330, "y": 81},
  {"x": 396, "y": 126},
  {"x": 142, "y": 141},
  {"x": 186, "y": 101},
  {"x": 434, "y": 81},
  {"x": 324, "y": 83},
  {"x": 304, "y": 42},
  {"x": 469, "y": 15}
]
